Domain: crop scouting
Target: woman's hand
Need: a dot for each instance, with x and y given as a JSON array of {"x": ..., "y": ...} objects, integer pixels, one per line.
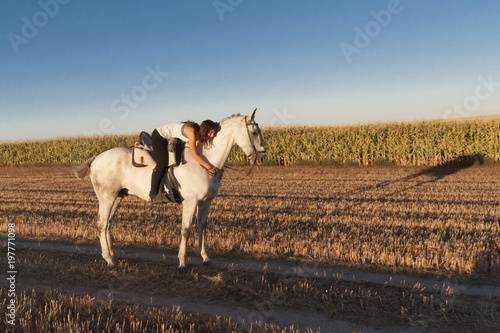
[{"x": 214, "y": 172}]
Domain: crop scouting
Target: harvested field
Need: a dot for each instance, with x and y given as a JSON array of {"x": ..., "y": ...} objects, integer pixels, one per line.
[{"x": 425, "y": 222}]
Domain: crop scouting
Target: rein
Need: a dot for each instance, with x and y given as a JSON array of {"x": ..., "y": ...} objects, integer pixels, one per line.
[{"x": 239, "y": 170}]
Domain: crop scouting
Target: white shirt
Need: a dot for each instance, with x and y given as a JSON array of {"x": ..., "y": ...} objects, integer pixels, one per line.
[{"x": 175, "y": 130}]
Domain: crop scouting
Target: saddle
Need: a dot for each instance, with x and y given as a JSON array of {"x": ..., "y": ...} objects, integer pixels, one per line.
[{"x": 143, "y": 155}]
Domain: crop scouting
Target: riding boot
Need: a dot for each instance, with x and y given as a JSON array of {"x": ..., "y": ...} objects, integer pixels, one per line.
[
  {"x": 172, "y": 144},
  {"x": 156, "y": 178}
]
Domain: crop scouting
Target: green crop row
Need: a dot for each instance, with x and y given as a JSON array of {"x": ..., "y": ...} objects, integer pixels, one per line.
[
  {"x": 61, "y": 151},
  {"x": 426, "y": 143}
]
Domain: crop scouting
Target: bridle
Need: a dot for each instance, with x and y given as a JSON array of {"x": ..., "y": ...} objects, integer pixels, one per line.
[{"x": 255, "y": 154}]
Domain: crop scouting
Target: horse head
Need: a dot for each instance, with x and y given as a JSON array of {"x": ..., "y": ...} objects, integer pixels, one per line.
[{"x": 250, "y": 139}]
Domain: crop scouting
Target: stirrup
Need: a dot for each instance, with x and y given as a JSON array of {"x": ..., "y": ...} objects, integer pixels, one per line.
[{"x": 159, "y": 198}]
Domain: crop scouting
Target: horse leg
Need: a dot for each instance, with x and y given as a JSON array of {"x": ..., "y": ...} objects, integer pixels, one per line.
[
  {"x": 202, "y": 224},
  {"x": 188, "y": 211},
  {"x": 106, "y": 209},
  {"x": 116, "y": 204}
]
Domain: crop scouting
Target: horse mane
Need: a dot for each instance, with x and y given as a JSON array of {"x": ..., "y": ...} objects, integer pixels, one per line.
[{"x": 230, "y": 117}]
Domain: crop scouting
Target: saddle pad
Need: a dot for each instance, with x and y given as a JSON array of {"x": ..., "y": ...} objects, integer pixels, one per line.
[{"x": 142, "y": 156}]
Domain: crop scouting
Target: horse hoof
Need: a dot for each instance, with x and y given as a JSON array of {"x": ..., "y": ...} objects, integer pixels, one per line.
[
  {"x": 183, "y": 270},
  {"x": 207, "y": 263}
]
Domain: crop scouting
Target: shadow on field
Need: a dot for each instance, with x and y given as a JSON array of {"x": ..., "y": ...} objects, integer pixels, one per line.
[
  {"x": 486, "y": 259},
  {"x": 436, "y": 172}
]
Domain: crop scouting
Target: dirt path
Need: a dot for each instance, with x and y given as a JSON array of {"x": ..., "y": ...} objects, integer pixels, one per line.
[
  {"x": 303, "y": 320},
  {"x": 283, "y": 269},
  {"x": 266, "y": 313}
]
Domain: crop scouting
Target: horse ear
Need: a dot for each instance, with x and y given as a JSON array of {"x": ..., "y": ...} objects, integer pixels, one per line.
[{"x": 254, "y": 113}]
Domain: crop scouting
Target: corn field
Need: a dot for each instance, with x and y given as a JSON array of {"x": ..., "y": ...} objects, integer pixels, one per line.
[{"x": 426, "y": 143}]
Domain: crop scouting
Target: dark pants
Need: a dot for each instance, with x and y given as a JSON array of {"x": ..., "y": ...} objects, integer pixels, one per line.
[{"x": 160, "y": 148}]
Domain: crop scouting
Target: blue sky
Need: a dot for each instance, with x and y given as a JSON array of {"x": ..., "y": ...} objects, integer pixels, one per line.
[{"x": 72, "y": 68}]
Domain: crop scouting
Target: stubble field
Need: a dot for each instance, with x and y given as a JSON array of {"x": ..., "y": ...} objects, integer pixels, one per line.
[{"x": 425, "y": 222}]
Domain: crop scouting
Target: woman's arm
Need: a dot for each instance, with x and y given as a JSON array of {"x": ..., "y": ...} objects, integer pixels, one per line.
[{"x": 192, "y": 148}]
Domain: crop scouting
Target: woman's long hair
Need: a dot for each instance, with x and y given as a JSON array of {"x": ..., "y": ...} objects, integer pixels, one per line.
[{"x": 203, "y": 130}]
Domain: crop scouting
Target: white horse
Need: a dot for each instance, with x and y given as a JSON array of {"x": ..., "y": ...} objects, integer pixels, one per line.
[{"x": 113, "y": 177}]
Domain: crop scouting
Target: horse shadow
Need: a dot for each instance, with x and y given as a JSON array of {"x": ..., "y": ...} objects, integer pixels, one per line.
[{"x": 435, "y": 173}]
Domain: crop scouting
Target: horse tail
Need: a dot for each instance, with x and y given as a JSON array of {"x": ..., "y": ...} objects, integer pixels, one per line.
[{"x": 82, "y": 170}]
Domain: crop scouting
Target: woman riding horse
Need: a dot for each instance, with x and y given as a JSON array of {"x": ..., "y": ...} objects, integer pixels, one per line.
[{"x": 189, "y": 132}]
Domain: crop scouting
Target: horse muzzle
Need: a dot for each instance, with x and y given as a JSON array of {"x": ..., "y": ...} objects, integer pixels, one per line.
[{"x": 258, "y": 157}]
